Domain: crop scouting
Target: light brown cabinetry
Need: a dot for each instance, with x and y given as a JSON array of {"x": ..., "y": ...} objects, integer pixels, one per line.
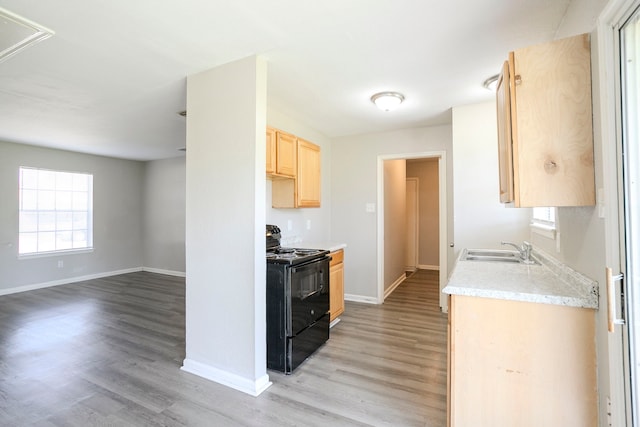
[
  {"x": 308, "y": 175},
  {"x": 296, "y": 180},
  {"x": 545, "y": 135},
  {"x": 281, "y": 153},
  {"x": 514, "y": 363},
  {"x": 336, "y": 284},
  {"x": 271, "y": 151}
]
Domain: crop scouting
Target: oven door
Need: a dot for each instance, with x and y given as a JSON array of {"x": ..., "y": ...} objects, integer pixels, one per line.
[{"x": 309, "y": 294}]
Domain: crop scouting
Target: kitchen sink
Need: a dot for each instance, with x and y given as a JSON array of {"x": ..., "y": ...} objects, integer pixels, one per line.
[{"x": 493, "y": 255}]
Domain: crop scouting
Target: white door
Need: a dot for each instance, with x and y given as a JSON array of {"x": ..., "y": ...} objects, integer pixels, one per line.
[
  {"x": 412, "y": 225},
  {"x": 630, "y": 190},
  {"x": 619, "y": 38}
]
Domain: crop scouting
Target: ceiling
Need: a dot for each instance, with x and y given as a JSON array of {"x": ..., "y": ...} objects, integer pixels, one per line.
[{"x": 113, "y": 77}]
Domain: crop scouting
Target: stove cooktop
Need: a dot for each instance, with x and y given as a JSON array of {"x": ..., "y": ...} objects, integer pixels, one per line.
[{"x": 294, "y": 255}]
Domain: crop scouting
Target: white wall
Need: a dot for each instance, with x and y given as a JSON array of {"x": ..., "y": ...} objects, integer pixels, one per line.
[
  {"x": 225, "y": 217},
  {"x": 354, "y": 161},
  {"x": 164, "y": 215},
  {"x": 117, "y": 217},
  {"x": 480, "y": 220},
  {"x": 580, "y": 17},
  {"x": 395, "y": 221},
  {"x": 320, "y": 217}
]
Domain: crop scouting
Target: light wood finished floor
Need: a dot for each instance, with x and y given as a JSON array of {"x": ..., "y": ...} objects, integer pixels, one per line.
[{"x": 107, "y": 352}]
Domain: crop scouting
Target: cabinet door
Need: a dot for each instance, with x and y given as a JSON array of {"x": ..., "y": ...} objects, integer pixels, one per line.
[
  {"x": 519, "y": 363},
  {"x": 308, "y": 174},
  {"x": 271, "y": 151},
  {"x": 336, "y": 285},
  {"x": 285, "y": 154},
  {"x": 505, "y": 156},
  {"x": 552, "y": 124}
]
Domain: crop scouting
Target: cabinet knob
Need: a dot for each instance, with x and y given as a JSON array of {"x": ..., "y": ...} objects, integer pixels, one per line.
[{"x": 550, "y": 166}]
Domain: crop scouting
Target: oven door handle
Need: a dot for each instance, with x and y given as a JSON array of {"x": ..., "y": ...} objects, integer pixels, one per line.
[{"x": 310, "y": 294}]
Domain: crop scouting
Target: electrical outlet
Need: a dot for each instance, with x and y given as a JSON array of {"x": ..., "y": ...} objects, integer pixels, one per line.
[
  {"x": 370, "y": 207},
  {"x": 308, "y": 224},
  {"x": 60, "y": 263}
]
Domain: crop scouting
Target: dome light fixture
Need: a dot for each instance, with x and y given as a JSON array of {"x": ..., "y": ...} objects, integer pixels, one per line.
[
  {"x": 387, "y": 101},
  {"x": 491, "y": 83}
]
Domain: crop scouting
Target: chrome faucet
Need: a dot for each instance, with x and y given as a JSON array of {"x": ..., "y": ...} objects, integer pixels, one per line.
[{"x": 524, "y": 250}]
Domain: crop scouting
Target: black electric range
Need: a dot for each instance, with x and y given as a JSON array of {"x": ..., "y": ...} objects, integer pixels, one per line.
[
  {"x": 297, "y": 302},
  {"x": 294, "y": 256},
  {"x": 278, "y": 255}
]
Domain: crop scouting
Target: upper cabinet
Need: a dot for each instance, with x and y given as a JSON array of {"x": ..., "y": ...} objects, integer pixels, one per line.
[
  {"x": 281, "y": 153},
  {"x": 308, "y": 174},
  {"x": 293, "y": 165},
  {"x": 271, "y": 151},
  {"x": 545, "y": 133}
]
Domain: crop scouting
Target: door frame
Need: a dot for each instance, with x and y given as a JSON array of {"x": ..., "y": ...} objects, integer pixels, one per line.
[
  {"x": 442, "y": 220},
  {"x": 609, "y": 22}
]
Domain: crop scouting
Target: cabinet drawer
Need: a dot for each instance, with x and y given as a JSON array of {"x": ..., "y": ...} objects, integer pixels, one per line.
[{"x": 337, "y": 257}]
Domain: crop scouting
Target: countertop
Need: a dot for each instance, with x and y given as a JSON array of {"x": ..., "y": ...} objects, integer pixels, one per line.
[
  {"x": 550, "y": 282},
  {"x": 327, "y": 246}
]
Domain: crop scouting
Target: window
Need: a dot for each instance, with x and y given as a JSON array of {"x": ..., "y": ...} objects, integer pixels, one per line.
[
  {"x": 56, "y": 211},
  {"x": 543, "y": 221},
  {"x": 546, "y": 216}
]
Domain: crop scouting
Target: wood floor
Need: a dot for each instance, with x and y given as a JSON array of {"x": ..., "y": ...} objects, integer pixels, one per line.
[{"x": 107, "y": 352}]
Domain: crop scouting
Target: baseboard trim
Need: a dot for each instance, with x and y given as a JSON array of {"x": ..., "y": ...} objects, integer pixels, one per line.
[
  {"x": 360, "y": 298},
  {"x": 236, "y": 382},
  {"x": 394, "y": 285},
  {"x": 166, "y": 272},
  {"x": 428, "y": 267},
  {"x": 66, "y": 281}
]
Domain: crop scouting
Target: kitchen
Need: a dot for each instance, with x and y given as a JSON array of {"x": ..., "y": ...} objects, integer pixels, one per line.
[{"x": 350, "y": 182}]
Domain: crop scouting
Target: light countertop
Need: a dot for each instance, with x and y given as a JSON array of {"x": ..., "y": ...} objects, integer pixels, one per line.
[
  {"x": 550, "y": 282},
  {"x": 327, "y": 246}
]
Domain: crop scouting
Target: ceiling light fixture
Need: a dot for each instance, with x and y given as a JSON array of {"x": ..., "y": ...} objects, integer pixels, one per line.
[
  {"x": 18, "y": 33},
  {"x": 387, "y": 101},
  {"x": 491, "y": 83}
]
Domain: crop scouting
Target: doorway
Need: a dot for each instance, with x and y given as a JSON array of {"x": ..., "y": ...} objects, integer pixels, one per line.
[
  {"x": 628, "y": 189},
  {"x": 440, "y": 158},
  {"x": 619, "y": 48},
  {"x": 413, "y": 229},
  {"x": 425, "y": 171}
]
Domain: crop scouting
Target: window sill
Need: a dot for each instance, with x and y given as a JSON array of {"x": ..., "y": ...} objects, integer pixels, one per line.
[
  {"x": 548, "y": 231},
  {"x": 55, "y": 253}
]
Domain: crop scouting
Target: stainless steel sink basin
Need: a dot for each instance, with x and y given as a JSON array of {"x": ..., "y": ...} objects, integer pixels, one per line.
[{"x": 494, "y": 255}]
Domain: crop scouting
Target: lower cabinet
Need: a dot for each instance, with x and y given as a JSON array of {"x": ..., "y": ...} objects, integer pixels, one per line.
[
  {"x": 336, "y": 284},
  {"x": 515, "y": 363}
]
